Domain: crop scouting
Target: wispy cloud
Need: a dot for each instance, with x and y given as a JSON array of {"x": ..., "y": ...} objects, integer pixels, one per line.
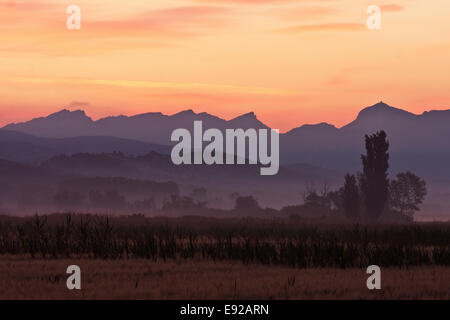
[
  {"x": 78, "y": 104},
  {"x": 25, "y": 5},
  {"x": 336, "y": 26},
  {"x": 177, "y": 21},
  {"x": 391, "y": 8},
  {"x": 24, "y": 23},
  {"x": 305, "y": 12},
  {"x": 203, "y": 87},
  {"x": 248, "y": 1}
]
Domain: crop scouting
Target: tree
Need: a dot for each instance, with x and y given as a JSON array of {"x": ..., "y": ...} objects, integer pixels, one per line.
[
  {"x": 374, "y": 180},
  {"x": 407, "y": 192},
  {"x": 336, "y": 199},
  {"x": 350, "y": 197},
  {"x": 317, "y": 201},
  {"x": 247, "y": 204},
  {"x": 199, "y": 194}
]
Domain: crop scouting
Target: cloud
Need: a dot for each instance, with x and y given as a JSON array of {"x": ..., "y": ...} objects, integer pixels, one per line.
[
  {"x": 309, "y": 12},
  {"x": 25, "y": 5},
  {"x": 157, "y": 85},
  {"x": 78, "y": 104},
  {"x": 174, "y": 21},
  {"x": 337, "y": 80},
  {"x": 21, "y": 32},
  {"x": 260, "y": 2},
  {"x": 336, "y": 26},
  {"x": 16, "y": 15},
  {"x": 245, "y": 1},
  {"x": 391, "y": 8}
]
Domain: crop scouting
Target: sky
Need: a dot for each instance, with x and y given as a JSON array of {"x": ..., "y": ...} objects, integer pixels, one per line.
[{"x": 290, "y": 61}]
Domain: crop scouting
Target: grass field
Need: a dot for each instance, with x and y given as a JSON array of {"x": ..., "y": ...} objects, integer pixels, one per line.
[
  {"x": 135, "y": 257},
  {"x": 267, "y": 242},
  {"x": 23, "y": 278}
]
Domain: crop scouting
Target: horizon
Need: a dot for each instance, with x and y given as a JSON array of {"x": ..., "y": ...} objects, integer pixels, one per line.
[
  {"x": 224, "y": 150},
  {"x": 222, "y": 57},
  {"x": 81, "y": 109}
]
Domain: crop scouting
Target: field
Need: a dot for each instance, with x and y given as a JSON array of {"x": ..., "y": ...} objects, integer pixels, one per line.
[
  {"x": 142, "y": 279},
  {"x": 135, "y": 257}
]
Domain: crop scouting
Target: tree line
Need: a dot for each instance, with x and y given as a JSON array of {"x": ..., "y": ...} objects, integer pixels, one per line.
[{"x": 367, "y": 195}]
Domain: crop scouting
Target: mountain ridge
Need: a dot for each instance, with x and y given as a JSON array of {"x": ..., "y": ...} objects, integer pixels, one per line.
[
  {"x": 417, "y": 140},
  {"x": 379, "y": 109}
]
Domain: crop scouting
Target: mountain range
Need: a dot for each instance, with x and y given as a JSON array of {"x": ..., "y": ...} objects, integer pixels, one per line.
[
  {"x": 22, "y": 147},
  {"x": 418, "y": 142},
  {"x": 42, "y": 153},
  {"x": 148, "y": 127}
]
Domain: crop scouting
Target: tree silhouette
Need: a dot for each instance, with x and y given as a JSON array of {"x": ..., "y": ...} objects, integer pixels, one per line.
[
  {"x": 317, "y": 202},
  {"x": 199, "y": 194},
  {"x": 374, "y": 180},
  {"x": 407, "y": 192},
  {"x": 350, "y": 197},
  {"x": 247, "y": 204}
]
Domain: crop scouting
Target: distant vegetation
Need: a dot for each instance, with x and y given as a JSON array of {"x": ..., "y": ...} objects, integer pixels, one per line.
[{"x": 367, "y": 196}]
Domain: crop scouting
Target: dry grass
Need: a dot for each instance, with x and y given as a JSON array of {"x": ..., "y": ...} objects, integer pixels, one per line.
[
  {"x": 268, "y": 242},
  {"x": 23, "y": 278}
]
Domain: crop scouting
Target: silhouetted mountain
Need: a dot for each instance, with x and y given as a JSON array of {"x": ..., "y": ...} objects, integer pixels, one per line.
[
  {"x": 149, "y": 127},
  {"x": 418, "y": 142},
  {"x": 36, "y": 185},
  {"x": 23, "y": 147},
  {"x": 380, "y": 115},
  {"x": 61, "y": 124},
  {"x": 248, "y": 120},
  {"x": 13, "y": 173},
  {"x": 70, "y": 145},
  {"x": 159, "y": 167}
]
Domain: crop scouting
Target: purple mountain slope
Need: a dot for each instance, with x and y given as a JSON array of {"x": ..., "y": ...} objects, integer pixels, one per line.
[
  {"x": 418, "y": 142},
  {"x": 148, "y": 127},
  {"x": 22, "y": 147}
]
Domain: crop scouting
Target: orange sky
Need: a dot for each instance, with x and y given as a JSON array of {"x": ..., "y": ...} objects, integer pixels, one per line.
[{"x": 290, "y": 61}]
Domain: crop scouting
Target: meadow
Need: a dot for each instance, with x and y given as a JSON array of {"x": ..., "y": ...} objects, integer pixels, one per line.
[
  {"x": 207, "y": 258},
  {"x": 23, "y": 278}
]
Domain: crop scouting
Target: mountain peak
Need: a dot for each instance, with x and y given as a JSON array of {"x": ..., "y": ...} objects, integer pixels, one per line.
[
  {"x": 246, "y": 116},
  {"x": 147, "y": 115},
  {"x": 382, "y": 109},
  {"x": 322, "y": 125},
  {"x": 322, "y": 128},
  {"x": 67, "y": 114},
  {"x": 187, "y": 112},
  {"x": 380, "y": 116},
  {"x": 381, "y": 104}
]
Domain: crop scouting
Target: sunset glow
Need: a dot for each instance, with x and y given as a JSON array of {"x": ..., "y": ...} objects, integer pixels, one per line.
[{"x": 291, "y": 62}]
